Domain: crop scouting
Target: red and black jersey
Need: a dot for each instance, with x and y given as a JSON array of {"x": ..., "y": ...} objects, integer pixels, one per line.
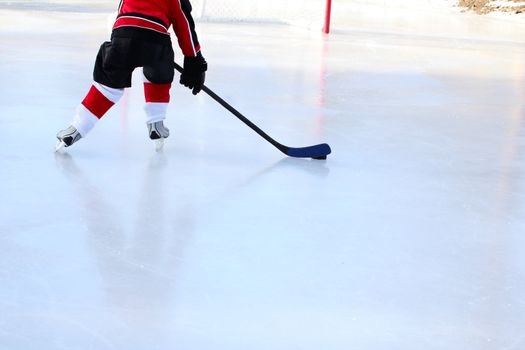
[{"x": 159, "y": 16}]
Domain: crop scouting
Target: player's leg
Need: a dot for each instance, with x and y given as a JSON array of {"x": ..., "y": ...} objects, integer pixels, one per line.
[
  {"x": 158, "y": 77},
  {"x": 111, "y": 76},
  {"x": 157, "y": 98}
]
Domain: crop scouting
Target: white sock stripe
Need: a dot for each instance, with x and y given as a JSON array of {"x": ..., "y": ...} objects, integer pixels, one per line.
[
  {"x": 84, "y": 120},
  {"x": 155, "y": 111},
  {"x": 111, "y": 94}
]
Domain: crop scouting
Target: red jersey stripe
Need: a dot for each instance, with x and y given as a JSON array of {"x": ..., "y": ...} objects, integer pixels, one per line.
[{"x": 131, "y": 21}]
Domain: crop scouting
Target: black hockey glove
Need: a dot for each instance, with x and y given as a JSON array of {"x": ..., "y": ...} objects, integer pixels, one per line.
[{"x": 194, "y": 73}]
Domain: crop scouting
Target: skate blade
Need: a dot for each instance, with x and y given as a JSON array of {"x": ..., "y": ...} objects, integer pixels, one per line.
[
  {"x": 159, "y": 145},
  {"x": 59, "y": 145}
]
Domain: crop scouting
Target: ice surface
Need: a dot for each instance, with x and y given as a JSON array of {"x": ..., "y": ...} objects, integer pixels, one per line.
[{"x": 410, "y": 235}]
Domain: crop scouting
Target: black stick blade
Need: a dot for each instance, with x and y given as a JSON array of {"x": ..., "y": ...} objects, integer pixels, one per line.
[{"x": 316, "y": 152}]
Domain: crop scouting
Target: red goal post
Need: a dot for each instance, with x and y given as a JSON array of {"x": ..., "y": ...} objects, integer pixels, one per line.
[{"x": 327, "y": 16}]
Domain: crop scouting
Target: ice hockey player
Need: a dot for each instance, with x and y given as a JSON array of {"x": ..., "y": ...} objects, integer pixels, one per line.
[{"x": 140, "y": 38}]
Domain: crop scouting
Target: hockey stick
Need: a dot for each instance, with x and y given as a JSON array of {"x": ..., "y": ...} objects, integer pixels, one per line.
[{"x": 316, "y": 152}]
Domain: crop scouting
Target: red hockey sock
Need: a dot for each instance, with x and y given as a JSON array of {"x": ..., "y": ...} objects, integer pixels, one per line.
[
  {"x": 157, "y": 93},
  {"x": 97, "y": 103}
]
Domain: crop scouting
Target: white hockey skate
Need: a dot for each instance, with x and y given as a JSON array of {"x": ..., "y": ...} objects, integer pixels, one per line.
[
  {"x": 67, "y": 137},
  {"x": 158, "y": 132}
]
